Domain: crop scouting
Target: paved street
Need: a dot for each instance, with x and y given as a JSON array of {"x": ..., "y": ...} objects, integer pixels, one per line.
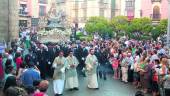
[{"x": 110, "y": 87}]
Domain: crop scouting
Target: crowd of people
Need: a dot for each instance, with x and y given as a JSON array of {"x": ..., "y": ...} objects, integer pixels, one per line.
[
  {"x": 27, "y": 66},
  {"x": 144, "y": 64}
]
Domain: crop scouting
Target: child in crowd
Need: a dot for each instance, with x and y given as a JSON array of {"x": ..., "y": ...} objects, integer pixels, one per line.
[{"x": 115, "y": 63}]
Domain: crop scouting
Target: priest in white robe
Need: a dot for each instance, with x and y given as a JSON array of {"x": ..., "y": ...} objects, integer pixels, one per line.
[
  {"x": 71, "y": 72},
  {"x": 91, "y": 67},
  {"x": 59, "y": 74}
]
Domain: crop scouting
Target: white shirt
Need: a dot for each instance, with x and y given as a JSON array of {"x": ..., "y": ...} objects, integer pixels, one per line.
[
  {"x": 24, "y": 34},
  {"x": 162, "y": 51},
  {"x": 154, "y": 57},
  {"x": 10, "y": 57}
]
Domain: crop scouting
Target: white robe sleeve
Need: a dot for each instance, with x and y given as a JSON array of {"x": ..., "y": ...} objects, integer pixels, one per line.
[{"x": 54, "y": 64}]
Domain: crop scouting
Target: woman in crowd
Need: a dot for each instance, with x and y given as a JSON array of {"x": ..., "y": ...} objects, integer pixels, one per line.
[
  {"x": 18, "y": 60},
  {"x": 142, "y": 71},
  {"x": 124, "y": 68},
  {"x": 146, "y": 76},
  {"x": 10, "y": 79},
  {"x": 120, "y": 58},
  {"x": 115, "y": 64},
  {"x": 136, "y": 75},
  {"x": 155, "y": 78},
  {"x": 163, "y": 71},
  {"x": 1, "y": 68}
]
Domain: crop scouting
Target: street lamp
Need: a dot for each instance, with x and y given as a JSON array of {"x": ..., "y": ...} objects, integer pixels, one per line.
[{"x": 168, "y": 28}]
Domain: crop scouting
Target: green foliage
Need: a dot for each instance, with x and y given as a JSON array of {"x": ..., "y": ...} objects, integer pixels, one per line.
[
  {"x": 79, "y": 34},
  {"x": 141, "y": 25},
  {"x": 86, "y": 38},
  {"x": 122, "y": 26},
  {"x": 155, "y": 33},
  {"x": 160, "y": 29},
  {"x": 98, "y": 24},
  {"x": 119, "y": 24}
]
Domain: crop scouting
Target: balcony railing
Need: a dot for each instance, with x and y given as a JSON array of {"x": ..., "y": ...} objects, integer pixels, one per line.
[
  {"x": 156, "y": 17},
  {"x": 23, "y": 13},
  {"x": 129, "y": 8},
  {"x": 155, "y": 1}
]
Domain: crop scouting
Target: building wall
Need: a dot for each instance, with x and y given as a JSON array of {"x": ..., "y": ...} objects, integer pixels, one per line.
[
  {"x": 3, "y": 20},
  {"x": 33, "y": 9},
  {"x": 14, "y": 19},
  {"x": 108, "y": 13},
  {"x": 138, "y": 8},
  {"x": 8, "y": 25},
  {"x": 121, "y": 8},
  {"x": 164, "y": 9},
  {"x": 147, "y": 8},
  {"x": 113, "y": 7},
  {"x": 118, "y": 7},
  {"x": 92, "y": 8},
  {"x": 83, "y": 9}
]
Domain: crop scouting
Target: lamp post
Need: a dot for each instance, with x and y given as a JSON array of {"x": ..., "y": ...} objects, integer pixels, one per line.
[{"x": 168, "y": 28}]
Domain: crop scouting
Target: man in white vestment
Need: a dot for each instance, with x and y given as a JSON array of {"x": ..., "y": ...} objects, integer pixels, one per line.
[
  {"x": 71, "y": 72},
  {"x": 59, "y": 74},
  {"x": 91, "y": 67}
]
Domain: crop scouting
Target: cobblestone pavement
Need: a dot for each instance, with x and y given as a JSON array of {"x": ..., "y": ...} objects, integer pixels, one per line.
[{"x": 110, "y": 87}]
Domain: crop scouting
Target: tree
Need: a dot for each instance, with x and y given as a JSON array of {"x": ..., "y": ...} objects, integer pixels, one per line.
[
  {"x": 97, "y": 24},
  {"x": 160, "y": 29},
  {"x": 119, "y": 24},
  {"x": 139, "y": 27}
]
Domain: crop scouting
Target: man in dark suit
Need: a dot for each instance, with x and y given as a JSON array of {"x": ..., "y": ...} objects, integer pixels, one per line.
[
  {"x": 42, "y": 61},
  {"x": 50, "y": 58},
  {"x": 102, "y": 57},
  {"x": 81, "y": 53}
]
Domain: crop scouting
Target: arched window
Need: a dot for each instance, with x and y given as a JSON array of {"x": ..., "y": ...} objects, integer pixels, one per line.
[{"x": 156, "y": 13}]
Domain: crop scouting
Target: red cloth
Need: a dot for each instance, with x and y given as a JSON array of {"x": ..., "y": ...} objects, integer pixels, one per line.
[
  {"x": 155, "y": 77},
  {"x": 115, "y": 63},
  {"x": 39, "y": 94},
  {"x": 1, "y": 70},
  {"x": 18, "y": 62}
]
